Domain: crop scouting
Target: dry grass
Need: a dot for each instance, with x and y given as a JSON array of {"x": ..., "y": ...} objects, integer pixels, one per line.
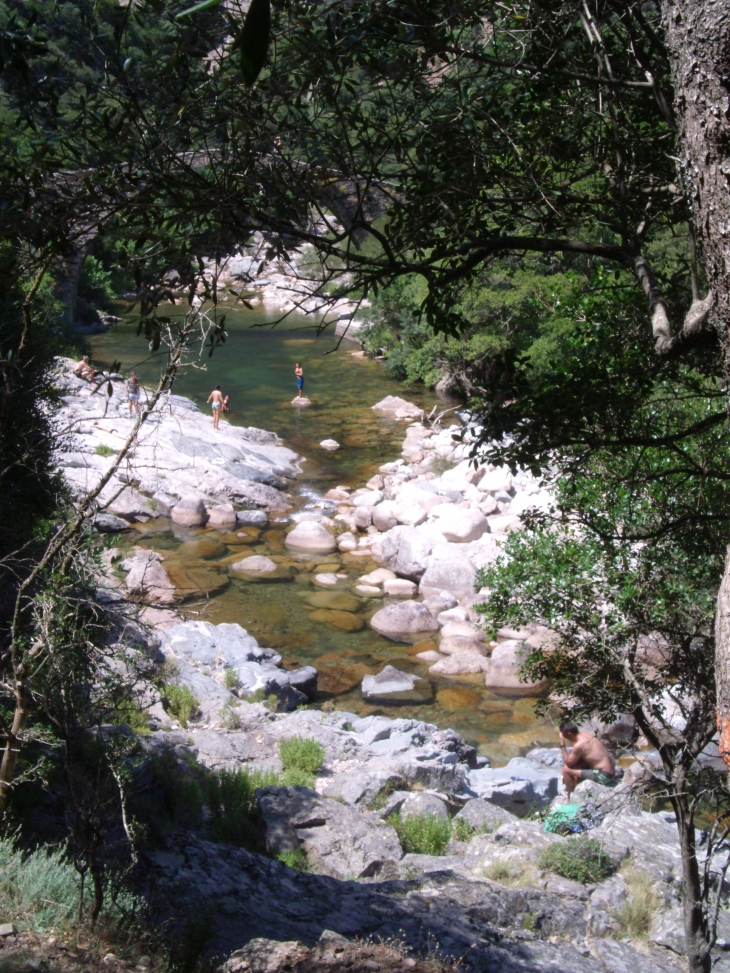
[
  {"x": 508, "y": 871},
  {"x": 636, "y": 915}
]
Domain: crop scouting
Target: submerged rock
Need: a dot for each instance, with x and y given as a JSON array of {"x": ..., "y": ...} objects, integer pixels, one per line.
[{"x": 392, "y": 686}]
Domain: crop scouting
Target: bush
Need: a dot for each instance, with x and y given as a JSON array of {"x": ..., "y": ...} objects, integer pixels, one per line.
[
  {"x": 422, "y": 834},
  {"x": 39, "y": 890},
  {"x": 301, "y": 753},
  {"x": 579, "y": 859},
  {"x": 231, "y": 799},
  {"x": 103, "y": 450},
  {"x": 298, "y": 778},
  {"x": 462, "y": 830},
  {"x": 231, "y": 679},
  {"x": 294, "y": 859},
  {"x": 635, "y": 916},
  {"x": 180, "y": 703}
]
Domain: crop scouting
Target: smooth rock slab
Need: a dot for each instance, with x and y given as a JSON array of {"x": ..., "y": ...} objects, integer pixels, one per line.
[
  {"x": 312, "y": 537},
  {"x": 403, "y": 622},
  {"x": 330, "y": 445},
  {"x": 338, "y": 840}
]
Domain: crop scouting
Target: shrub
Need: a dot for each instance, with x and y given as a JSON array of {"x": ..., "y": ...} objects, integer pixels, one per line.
[
  {"x": 636, "y": 914},
  {"x": 579, "y": 859},
  {"x": 462, "y": 830},
  {"x": 271, "y": 702},
  {"x": 103, "y": 450},
  {"x": 131, "y": 715},
  {"x": 422, "y": 834},
  {"x": 231, "y": 799},
  {"x": 231, "y": 679},
  {"x": 294, "y": 859},
  {"x": 180, "y": 703},
  {"x": 40, "y": 890},
  {"x": 301, "y": 753},
  {"x": 298, "y": 778}
]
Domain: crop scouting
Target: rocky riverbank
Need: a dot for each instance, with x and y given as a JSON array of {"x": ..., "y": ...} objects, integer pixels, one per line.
[{"x": 423, "y": 525}]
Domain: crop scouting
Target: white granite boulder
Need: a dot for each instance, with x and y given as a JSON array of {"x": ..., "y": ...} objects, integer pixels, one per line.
[
  {"x": 309, "y": 536},
  {"x": 452, "y": 572},
  {"x": 460, "y": 526},
  {"x": 222, "y": 515},
  {"x": 257, "y": 564},
  {"x": 403, "y": 621},
  {"x": 503, "y": 671},
  {"x": 189, "y": 512}
]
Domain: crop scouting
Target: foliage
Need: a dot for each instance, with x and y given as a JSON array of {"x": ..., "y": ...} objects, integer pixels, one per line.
[
  {"x": 506, "y": 872},
  {"x": 231, "y": 800},
  {"x": 462, "y": 830},
  {"x": 391, "y": 785},
  {"x": 421, "y": 834},
  {"x": 40, "y": 890},
  {"x": 231, "y": 679},
  {"x": 103, "y": 450},
  {"x": 579, "y": 859},
  {"x": 296, "y": 777},
  {"x": 301, "y": 753},
  {"x": 295, "y": 859},
  {"x": 180, "y": 703}
]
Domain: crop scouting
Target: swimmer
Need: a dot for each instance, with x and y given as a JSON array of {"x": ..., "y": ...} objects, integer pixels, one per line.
[
  {"x": 299, "y": 372},
  {"x": 216, "y": 402}
]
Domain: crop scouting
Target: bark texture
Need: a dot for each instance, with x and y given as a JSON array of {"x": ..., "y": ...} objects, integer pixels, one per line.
[{"x": 698, "y": 42}]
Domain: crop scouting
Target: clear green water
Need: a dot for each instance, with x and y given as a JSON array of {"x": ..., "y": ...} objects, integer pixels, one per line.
[{"x": 256, "y": 367}]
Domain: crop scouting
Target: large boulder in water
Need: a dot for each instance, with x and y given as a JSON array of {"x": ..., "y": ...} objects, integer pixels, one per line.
[
  {"x": 503, "y": 672},
  {"x": 311, "y": 537},
  {"x": 453, "y": 573},
  {"x": 406, "y": 551},
  {"x": 404, "y": 621},
  {"x": 189, "y": 512}
]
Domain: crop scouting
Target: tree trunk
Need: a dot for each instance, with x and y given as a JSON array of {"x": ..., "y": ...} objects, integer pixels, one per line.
[
  {"x": 698, "y": 42},
  {"x": 696, "y": 930}
]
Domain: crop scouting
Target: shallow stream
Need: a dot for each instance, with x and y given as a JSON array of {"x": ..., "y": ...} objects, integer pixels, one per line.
[{"x": 256, "y": 367}]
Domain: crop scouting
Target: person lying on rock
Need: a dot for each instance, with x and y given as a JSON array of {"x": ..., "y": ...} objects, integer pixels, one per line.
[
  {"x": 587, "y": 759},
  {"x": 83, "y": 369}
]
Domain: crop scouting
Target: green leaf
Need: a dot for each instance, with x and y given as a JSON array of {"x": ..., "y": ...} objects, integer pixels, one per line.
[
  {"x": 203, "y": 5},
  {"x": 253, "y": 41}
]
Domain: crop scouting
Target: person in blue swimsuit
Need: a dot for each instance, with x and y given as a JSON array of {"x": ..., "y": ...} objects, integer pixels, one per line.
[
  {"x": 299, "y": 372},
  {"x": 216, "y": 401}
]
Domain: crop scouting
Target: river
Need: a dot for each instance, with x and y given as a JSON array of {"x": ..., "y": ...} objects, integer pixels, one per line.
[{"x": 256, "y": 367}]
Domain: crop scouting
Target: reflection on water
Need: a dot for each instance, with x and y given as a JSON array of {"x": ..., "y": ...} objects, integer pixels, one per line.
[{"x": 256, "y": 367}]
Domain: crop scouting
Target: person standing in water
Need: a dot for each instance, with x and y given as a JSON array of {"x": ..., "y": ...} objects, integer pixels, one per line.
[
  {"x": 132, "y": 390},
  {"x": 216, "y": 401},
  {"x": 299, "y": 372}
]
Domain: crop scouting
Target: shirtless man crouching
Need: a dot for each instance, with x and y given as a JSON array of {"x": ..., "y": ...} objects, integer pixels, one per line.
[{"x": 588, "y": 759}]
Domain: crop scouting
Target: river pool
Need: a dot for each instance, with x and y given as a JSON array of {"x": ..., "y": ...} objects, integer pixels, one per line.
[{"x": 256, "y": 367}]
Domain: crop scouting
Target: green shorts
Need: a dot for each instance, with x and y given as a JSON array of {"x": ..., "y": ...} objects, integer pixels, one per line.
[{"x": 599, "y": 776}]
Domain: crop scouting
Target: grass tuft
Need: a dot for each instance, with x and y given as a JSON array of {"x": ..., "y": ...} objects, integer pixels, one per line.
[
  {"x": 422, "y": 834},
  {"x": 103, "y": 450},
  {"x": 637, "y": 913},
  {"x": 579, "y": 859},
  {"x": 180, "y": 703},
  {"x": 231, "y": 800},
  {"x": 294, "y": 859}
]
